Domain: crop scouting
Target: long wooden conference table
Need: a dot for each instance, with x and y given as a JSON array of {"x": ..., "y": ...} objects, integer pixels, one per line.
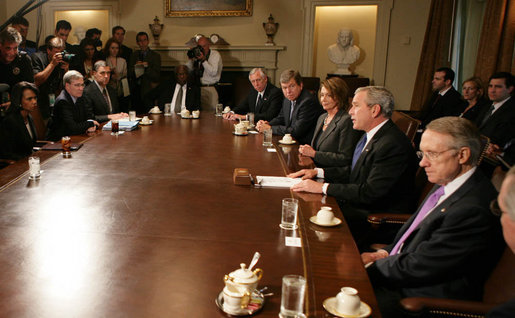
[{"x": 146, "y": 224}]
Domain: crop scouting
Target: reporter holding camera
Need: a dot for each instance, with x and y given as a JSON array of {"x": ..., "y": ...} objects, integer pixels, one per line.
[
  {"x": 207, "y": 69},
  {"x": 49, "y": 68}
]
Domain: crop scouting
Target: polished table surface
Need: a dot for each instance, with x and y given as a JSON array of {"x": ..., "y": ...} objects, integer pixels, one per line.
[{"x": 146, "y": 224}]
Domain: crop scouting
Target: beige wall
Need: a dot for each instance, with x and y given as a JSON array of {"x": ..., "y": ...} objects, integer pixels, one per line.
[
  {"x": 408, "y": 18},
  {"x": 362, "y": 22}
]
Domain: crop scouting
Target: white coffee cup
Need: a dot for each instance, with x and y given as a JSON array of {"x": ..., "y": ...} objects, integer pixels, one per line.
[
  {"x": 246, "y": 123},
  {"x": 195, "y": 113},
  {"x": 227, "y": 109},
  {"x": 155, "y": 109},
  {"x": 185, "y": 113},
  {"x": 348, "y": 302},
  {"x": 234, "y": 301},
  {"x": 287, "y": 138},
  {"x": 325, "y": 215},
  {"x": 145, "y": 120},
  {"x": 240, "y": 128}
]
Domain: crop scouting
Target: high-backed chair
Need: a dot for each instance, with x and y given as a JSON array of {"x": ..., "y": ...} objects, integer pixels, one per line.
[
  {"x": 312, "y": 84},
  {"x": 406, "y": 124},
  {"x": 499, "y": 288}
]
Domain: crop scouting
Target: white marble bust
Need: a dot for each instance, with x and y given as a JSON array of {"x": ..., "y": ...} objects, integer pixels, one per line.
[{"x": 344, "y": 52}]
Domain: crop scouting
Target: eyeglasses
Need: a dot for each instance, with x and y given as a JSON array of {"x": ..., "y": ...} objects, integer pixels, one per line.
[
  {"x": 430, "y": 155},
  {"x": 495, "y": 208},
  {"x": 79, "y": 85}
]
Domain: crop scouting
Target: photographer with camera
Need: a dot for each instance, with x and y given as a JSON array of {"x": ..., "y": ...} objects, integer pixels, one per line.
[
  {"x": 49, "y": 68},
  {"x": 207, "y": 69}
]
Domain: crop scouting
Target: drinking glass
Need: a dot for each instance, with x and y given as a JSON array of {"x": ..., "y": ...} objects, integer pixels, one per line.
[
  {"x": 66, "y": 143},
  {"x": 292, "y": 299},
  {"x": 219, "y": 110},
  {"x": 115, "y": 127},
  {"x": 34, "y": 168},
  {"x": 132, "y": 115},
  {"x": 289, "y": 214},
  {"x": 250, "y": 118},
  {"x": 267, "y": 137}
]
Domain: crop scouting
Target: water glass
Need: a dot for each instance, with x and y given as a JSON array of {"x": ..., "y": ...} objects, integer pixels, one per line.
[
  {"x": 292, "y": 299},
  {"x": 132, "y": 115},
  {"x": 289, "y": 214},
  {"x": 267, "y": 137},
  {"x": 250, "y": 118},
  {"x": 168, "y": 109},
  {"x": 34, "y": 168},
  {"x": 219, "y": 110}
]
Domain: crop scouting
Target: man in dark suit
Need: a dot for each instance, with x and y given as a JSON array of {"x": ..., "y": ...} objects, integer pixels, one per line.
[
  {"x": 71, "y": 116},
  {"x": 299, "y": 112},
  {"x": 448, "y": 247},
  {"x": 497, "y": 122},
  {"x": 118, "y": 33},
  {"x": 180, "y": 91},
  {"x": 382, "y": 173},
  {"x": 445, "y": 101},
  {"x": 144, "y": 71},
  {"x": 22, "y": 25},
  {"x": 100, "y": 99},
  {"x": 265, "y": 100}
]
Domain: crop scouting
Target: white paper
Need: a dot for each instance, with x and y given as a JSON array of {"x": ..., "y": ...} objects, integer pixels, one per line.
[
  {"x": 139, "y": 70},
  {"x": 292, "y": 241},
  {"x": 125, "y": 87},
  {"x": 277, "y": 182}
]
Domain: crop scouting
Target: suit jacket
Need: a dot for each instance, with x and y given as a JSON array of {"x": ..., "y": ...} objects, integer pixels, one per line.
[
  {"x": 163, "y": 93},
  {"x": 451, "y": 252},
  {"x": 335, "y": 146},
  {"x": 450, "y": 104},
  {"x": 152, "y": 72},
  {"x": 97, "y": 104},
  {"x": 382, "y": 179},
  {"x": 302, "y": 123},
  {"x": 500, "y": 127},
  {"x": 69, "y": 118},
  {"x": 15, "y": 140},
  {"x": 270, "y": 107},
  {"x": 475, "y": 111}
]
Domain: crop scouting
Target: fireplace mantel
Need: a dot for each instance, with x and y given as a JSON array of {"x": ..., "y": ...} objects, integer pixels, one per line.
[{"x": 235, "y": 58}]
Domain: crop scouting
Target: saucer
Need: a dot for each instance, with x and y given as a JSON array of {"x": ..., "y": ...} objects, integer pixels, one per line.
[
  {"x": 287, "y": 143},
  {"x": 257, "y": 300},
  {"x": 184, "y": 117},
  {"x": 146, "y": 124},
  {"x": 336, "y": 221},
  {"x": 237, "y": 134},
  {"x": 330, "y": 305},
  {"x": 154, "y": 112}
]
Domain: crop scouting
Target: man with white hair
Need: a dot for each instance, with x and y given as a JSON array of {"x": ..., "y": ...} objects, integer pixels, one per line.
[
  {"x": 506, "y": 208},
  {"x": 71, "y": 116},
  {"x": 264, "y": 100},
  {"x": 449, "y": 246}
]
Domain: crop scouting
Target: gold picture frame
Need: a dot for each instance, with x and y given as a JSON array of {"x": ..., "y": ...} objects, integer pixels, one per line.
[{"x": 208, "y": 8}]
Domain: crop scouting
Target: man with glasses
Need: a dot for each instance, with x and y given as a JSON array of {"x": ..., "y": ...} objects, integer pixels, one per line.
[
  {"x": 71, "y": 116},
  {"x": 382, "y": 174},
  {"x": 448, "y": 247}
]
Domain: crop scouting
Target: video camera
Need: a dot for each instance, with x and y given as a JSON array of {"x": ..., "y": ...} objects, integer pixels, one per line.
[{"x": 195, "y": 52}]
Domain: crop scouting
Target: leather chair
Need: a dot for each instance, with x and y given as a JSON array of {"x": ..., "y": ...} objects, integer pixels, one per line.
[
  {"x": 499, "y": 288},
  {"x": 312, "y": 84},
  {"x": 406, "y": 124}
]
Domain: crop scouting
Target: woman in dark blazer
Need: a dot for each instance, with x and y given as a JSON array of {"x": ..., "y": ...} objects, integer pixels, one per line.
[
  {"x": 17, "y": 132},
  {"x": 473, "y": 93},
  {"x": 334, "y": 138}
]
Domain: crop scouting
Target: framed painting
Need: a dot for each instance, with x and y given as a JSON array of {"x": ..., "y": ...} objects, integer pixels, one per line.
[{"x": 208, "y": 8}]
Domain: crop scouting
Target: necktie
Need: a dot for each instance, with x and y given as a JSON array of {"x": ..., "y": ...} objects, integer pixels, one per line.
[
  {"x": 259, "y": 103},
  {"x": 291, "y": 110},
  {"x": 358, "y": 150},
  {"x": 487, "y": 115},
  {"x": 178, "y": 100},
  {"x": 106, "y": 97},
  {"x": 428, "y": 206}
]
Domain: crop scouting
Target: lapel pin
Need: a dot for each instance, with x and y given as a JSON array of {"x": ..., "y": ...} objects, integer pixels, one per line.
[{"x": 442, "y": 210}]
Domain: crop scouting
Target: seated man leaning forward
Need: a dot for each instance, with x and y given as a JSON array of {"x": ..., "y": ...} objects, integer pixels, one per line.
[
  {"x": 448, "y": 247},
  {"x": 299, "y": 112},
  {"x": 264, "y": 99},
  {"x": 71, "y": 116},
  {"x": 382, "y": 173},
  {"x": 100, "y": 98}
]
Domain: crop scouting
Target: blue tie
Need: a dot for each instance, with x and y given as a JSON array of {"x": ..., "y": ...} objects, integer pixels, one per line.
[{"x": 359, "y": 149}]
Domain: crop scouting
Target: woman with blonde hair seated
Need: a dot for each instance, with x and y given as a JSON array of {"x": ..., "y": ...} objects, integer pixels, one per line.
[
  {"x": 473, "y": 93},
  {"x": 334, "y": 138}
]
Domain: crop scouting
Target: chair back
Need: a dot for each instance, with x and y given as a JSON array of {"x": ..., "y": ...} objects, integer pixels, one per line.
[
  {"x": 39, "y": 124},
  {"x": 500, "y": 286},
  {"x": 312, "y": 84},
  {"x": 406, "y": 124}
]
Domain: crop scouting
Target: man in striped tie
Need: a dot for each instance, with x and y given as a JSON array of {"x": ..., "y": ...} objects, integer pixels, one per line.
[{"x": 447, "y": 248}]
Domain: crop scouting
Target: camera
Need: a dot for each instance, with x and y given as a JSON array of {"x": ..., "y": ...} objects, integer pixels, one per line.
[
  {"x": 67, "y": 57},
  {"x": 195, "y": 52}
]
